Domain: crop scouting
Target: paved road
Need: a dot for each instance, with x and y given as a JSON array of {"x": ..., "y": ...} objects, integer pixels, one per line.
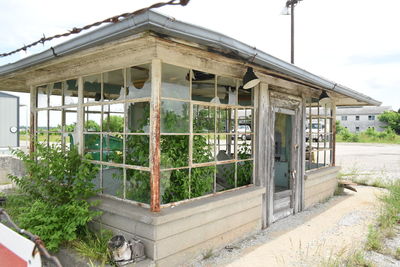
[{"x": 369, "y": 160}]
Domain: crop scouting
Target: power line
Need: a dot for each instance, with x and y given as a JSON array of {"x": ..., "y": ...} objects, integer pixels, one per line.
[{"x": 114, "y": 19}]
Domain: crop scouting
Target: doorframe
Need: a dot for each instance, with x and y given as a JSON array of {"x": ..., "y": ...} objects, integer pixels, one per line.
[{"x": 290, "y": 105}]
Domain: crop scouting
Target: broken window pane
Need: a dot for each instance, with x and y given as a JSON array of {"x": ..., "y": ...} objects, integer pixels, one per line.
[
  {"x": 138, "y": 80},
  {"x": 175, "y": 82},
  {"x": 92, "y": 118},
  {"x": 203, "y": 86},
  {"x": 92, "y": 88},
  {"x": 70, "y": 92},
  {"x": 113, "y": 85},
  {"x": 226, "y": 90}
]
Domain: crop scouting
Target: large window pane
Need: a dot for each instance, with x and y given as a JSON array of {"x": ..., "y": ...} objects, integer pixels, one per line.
[
  {"x": 113, "y": 181},
  {"x": 138, "y": 81},
  {"x": 137, "y": 150},
  {"x": 175, "y": 82},
  {"x": 174, "y": 117},
  {"x": 225, "y": 120},
  {"x": 42, "y": 96},
  {"x": 138, "y": 117},
  {"x": 92, "y": 118},
  {"x": 55, "y": 120},
  {"x": 71, "y": 119},
  {"x": 225, "y": 176},
  {"x": 138, "y": 186},
  {"x": 244, "y": 173},
  {"x": 174, "y": 185},
  {"x": 202, "y": 181},
  {"x": 113, "y": 118},
  {"x": 225, "y": 145},
  {"x": 55, "y": 95},
  {"x": 174, "y": 151},
  {"x": 92, "y": 145},
  {"x": 42, "y": 120},
  {"x": 112, "y": 148},
  {"x": 203, "y": 148},
  {"x": 203, "y": 119}
]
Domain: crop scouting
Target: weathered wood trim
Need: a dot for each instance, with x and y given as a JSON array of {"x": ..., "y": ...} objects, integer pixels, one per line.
[{"x": 261, "y": 162}]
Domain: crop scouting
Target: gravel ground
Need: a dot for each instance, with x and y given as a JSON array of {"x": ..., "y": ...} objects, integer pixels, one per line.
[
  {"x": 309, "y": 238},
  {"x": 326, "y": 240}
]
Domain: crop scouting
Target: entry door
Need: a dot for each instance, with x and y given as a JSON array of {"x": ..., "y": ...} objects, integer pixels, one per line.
[{"x": 284, "y": 171}]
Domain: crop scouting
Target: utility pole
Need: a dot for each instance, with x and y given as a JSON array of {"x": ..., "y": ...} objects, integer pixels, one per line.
[{"x": 291, "y": 4}]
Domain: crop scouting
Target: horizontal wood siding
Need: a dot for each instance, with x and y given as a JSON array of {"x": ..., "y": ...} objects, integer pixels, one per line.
[
  {"x": 177, "y": 234},
  {"x": 320, "y": 185}
]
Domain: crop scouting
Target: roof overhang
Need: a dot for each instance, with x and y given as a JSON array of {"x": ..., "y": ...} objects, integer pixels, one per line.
[{"x": 167, "y": 26}]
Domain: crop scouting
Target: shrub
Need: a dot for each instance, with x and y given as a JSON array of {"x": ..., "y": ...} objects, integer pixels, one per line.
[{"x": 54, "y": 204}]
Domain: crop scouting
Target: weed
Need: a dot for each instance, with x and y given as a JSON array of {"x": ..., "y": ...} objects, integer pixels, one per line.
[
  {"x": 374, "y": 240},
  {"x": 94, "y": 245},
  {"x": 208, "y": 254},
  {"x": 397, "y": 254}
]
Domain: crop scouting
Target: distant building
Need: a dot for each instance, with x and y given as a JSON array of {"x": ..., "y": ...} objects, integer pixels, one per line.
[
  {"x": 358, "y": 119},
  {"x": 9, "y": 120}
]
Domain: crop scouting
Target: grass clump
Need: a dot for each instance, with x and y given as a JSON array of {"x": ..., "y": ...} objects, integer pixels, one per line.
[{"x": 94, "y": 245}]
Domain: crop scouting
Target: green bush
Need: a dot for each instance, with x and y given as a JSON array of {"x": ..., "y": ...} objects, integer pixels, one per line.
[{"x": 53, "y": 205}]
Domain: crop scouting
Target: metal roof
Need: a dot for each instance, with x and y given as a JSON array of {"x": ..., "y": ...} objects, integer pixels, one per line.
[{"x": 152, "y": 21}]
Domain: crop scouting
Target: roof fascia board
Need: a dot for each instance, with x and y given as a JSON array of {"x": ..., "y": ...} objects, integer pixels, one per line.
[{"x": 165, "y": 25}]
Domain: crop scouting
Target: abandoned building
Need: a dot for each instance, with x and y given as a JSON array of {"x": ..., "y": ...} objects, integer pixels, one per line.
[
  {"x": 192, "y": 156},
  {"x": 359, "y": 119}
]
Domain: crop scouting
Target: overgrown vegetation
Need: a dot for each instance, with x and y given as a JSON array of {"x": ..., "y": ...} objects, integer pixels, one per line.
[
  {"x": 392, "y": 118},
  {"x": 53, "y": 196},
  {"x": 388, "y": 219},
  {"x": 388, "y": 136}
]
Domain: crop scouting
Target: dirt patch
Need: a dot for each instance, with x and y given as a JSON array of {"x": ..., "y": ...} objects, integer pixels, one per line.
[{"x": 308, "y": 238}]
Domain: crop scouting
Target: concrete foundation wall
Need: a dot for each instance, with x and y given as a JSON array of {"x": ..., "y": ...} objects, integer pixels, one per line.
[
  {"x": 10, "y": 165},
  {"x": 178, "y": 234},
  {"x": 320, "y": 185}
]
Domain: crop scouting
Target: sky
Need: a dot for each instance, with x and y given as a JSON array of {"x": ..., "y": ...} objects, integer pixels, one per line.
[{"x": 355, "y": 43}]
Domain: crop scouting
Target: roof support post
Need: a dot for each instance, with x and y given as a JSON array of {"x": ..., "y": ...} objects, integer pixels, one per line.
[
  {"x": 333, "y": 156},
  {"x": 80, "y": 121},
  {"x": 155, "y": 135},
  {"x": 32, "y": 128}
]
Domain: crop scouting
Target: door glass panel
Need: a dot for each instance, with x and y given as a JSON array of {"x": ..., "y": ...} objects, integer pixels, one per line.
[{"x": 283, "y": 140}]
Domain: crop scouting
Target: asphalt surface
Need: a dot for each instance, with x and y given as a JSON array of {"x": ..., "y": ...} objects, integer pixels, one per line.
[{"x": 371, "y": 161}]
